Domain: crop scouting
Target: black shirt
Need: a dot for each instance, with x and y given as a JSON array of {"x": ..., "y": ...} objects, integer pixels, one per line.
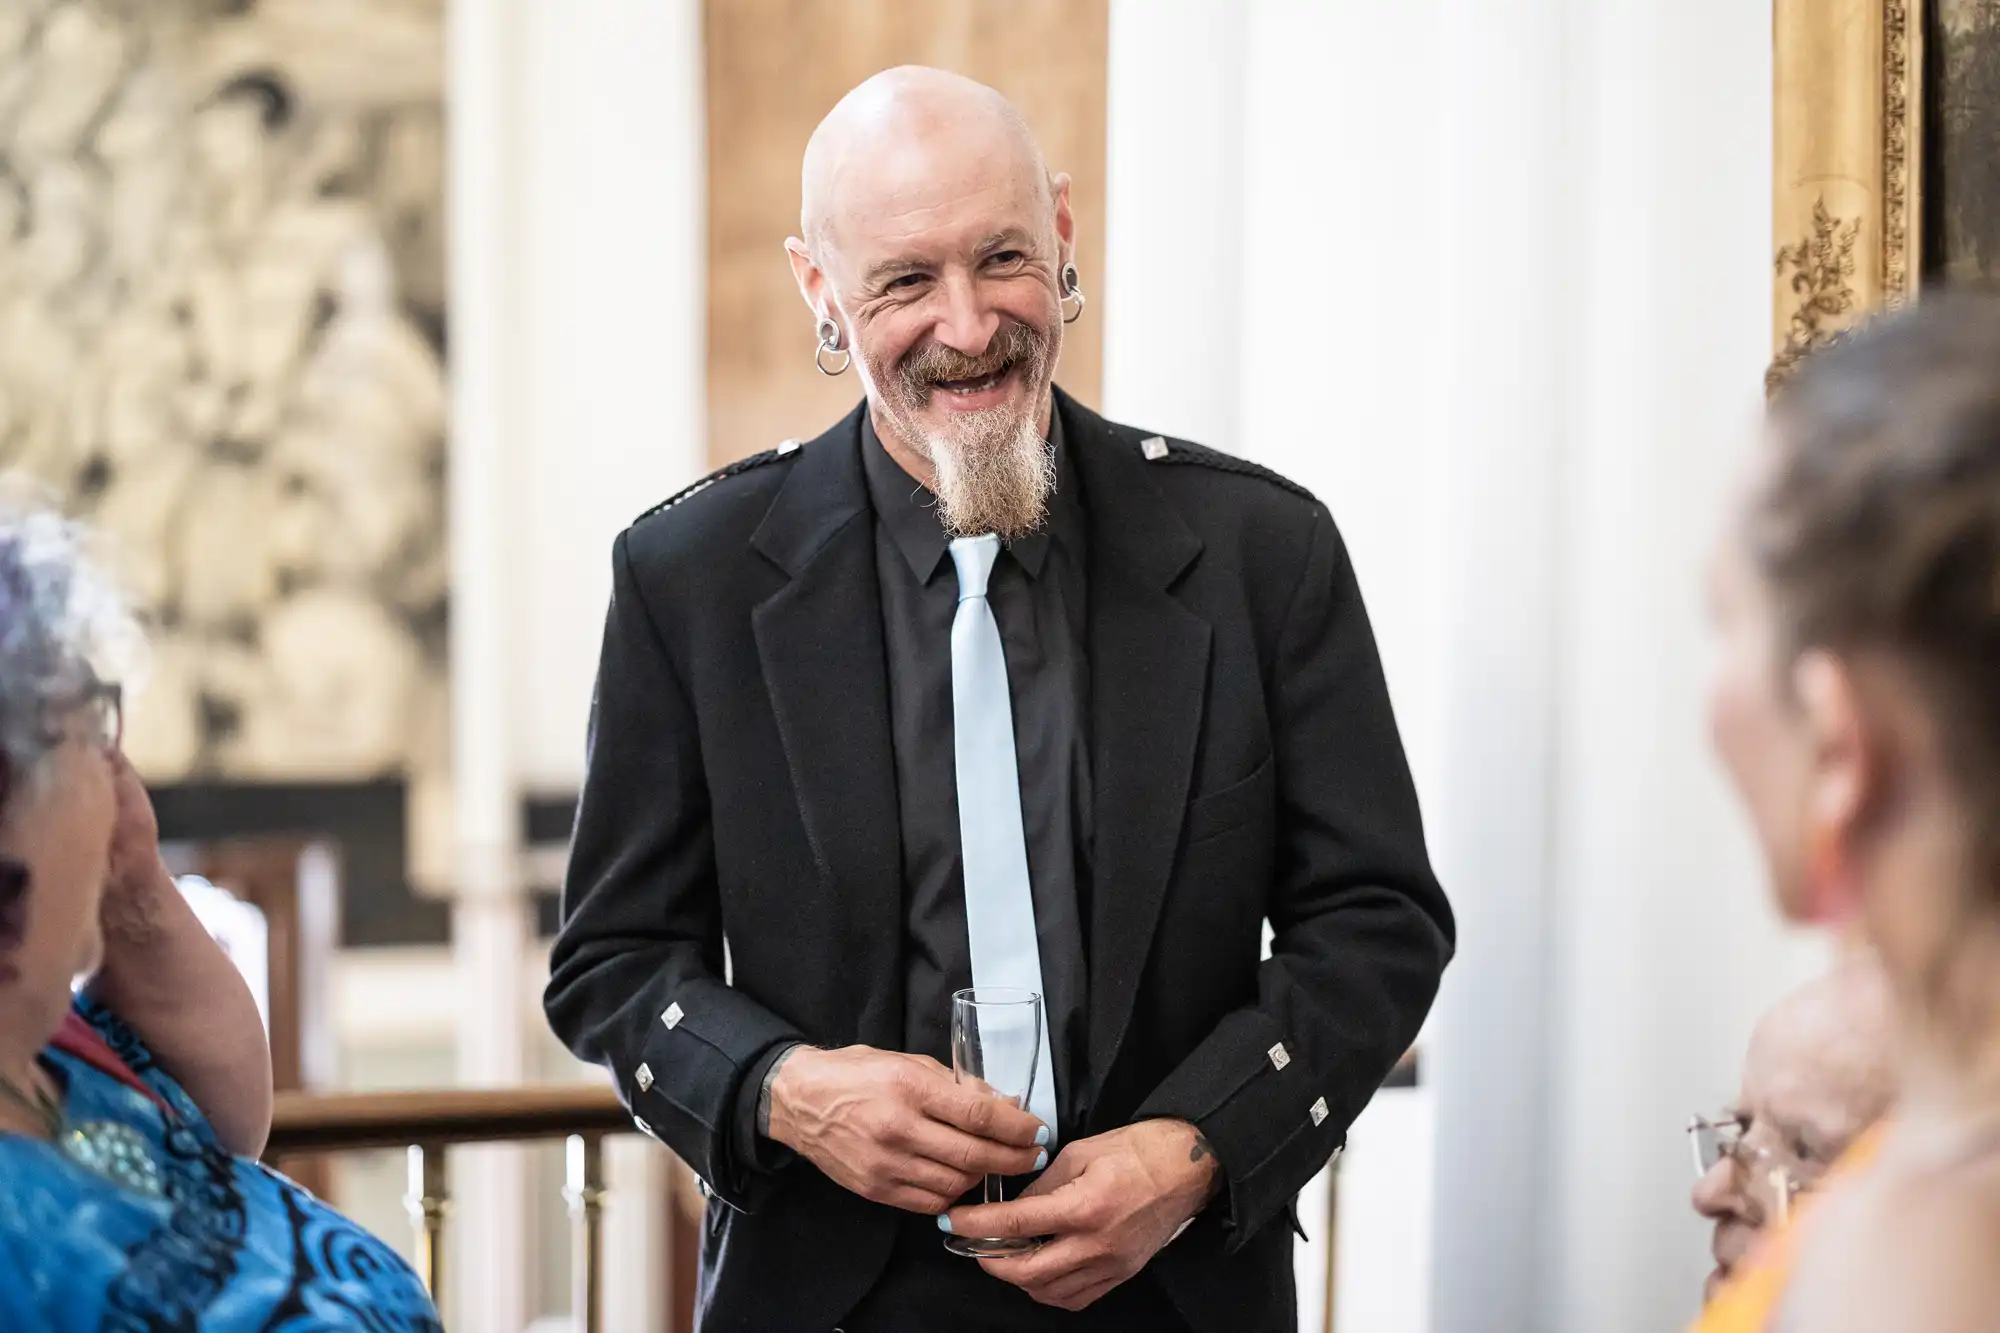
[{"x": 1037, "y": 593}]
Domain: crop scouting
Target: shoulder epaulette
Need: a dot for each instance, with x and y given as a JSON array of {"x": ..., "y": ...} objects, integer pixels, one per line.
[
  {"x": 1157, "y": 449},
  {"x": 788, "y": 449}
]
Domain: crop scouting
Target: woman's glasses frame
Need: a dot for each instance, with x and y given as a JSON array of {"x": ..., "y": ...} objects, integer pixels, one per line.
[{"x": 101, "y": 704}]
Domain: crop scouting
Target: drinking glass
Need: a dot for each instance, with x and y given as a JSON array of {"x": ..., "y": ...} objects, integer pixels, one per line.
[{"x": 996, "y": 1039}]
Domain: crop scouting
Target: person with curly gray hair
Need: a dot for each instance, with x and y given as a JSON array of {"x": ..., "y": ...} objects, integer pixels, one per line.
[{"x": 131, "y": 1109}]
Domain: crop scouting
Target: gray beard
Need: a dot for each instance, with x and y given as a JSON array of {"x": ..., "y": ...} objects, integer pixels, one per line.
[{"x": 994, "y": 474}]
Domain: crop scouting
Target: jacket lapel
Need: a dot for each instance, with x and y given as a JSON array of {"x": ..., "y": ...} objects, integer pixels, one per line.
[
  {"x": 819, "y": 639},
  {"x": 1148, "y": 678}
]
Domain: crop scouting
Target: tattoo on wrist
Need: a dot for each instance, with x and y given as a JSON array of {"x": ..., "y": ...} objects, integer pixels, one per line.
[{"x": 1213, "y": 1183}]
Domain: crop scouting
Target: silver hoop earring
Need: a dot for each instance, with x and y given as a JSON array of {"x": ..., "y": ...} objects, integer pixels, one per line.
[
  {"x": 829, "y": 341},
  {"x": 1072, "y": 290}
]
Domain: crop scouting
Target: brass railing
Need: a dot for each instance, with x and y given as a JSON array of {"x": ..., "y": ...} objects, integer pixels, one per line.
[{"x": 428, "y": 1124}]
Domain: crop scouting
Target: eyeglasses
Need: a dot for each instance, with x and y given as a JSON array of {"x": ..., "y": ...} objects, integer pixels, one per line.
[
  {"x": 107, "y": 711},
  {"x": 100, "y": 707},
  {"x": 1714, "y": 1141}
]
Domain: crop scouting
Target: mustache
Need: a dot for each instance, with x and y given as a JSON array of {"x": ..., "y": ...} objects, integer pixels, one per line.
[{"x": 931, "y": 364}]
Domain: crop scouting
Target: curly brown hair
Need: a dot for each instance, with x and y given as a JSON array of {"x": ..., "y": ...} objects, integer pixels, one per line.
[{"x": 1878, "y": 524}]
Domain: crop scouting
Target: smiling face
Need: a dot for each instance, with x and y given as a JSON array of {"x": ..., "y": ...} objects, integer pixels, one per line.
[{"x": 935, "y": 239}]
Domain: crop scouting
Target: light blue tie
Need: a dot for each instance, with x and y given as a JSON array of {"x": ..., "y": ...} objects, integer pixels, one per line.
[{"x": 999, "y": 904}]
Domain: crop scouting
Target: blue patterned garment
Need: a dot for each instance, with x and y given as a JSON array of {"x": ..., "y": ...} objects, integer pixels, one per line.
[{"x": 229, "y": 1247}]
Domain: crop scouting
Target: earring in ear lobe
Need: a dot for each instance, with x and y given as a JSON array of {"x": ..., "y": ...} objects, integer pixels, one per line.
[
  {"x": 1072, "y": 290},
  {"x": 1831, "y": 896},
  {"x": 829, "y": 342}
]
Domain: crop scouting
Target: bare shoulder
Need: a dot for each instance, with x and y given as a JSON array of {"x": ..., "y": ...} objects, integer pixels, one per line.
[{"x": 1915, "y": 1256}]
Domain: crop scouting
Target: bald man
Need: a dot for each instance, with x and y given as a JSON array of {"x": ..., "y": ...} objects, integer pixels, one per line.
[
  {"x": 978, "y": 689},
  {"x": 1818, "y": 1072}
]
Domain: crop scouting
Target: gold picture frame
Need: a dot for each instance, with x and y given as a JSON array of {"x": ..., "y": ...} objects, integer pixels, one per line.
[{"x": 1847, "y": 161}]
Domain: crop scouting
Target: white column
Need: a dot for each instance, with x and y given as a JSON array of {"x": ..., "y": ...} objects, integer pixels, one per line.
[
  {"x": 1172, "y": 288},
  {"x": 612, "y": 261},
  {"x": 577, "y": 206},
  {"x": 1339, "y": 391},
  {"x": 1342, "y": 302},
  {"x": 488, "y": 1286},
  {"x": 1499, "y": 334},
  {"x": 640, "y": 1175}
]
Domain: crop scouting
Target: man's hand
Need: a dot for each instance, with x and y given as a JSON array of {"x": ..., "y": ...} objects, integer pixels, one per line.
[
  {"x": 1109, "y": 1204},
  {"x": 896, "y": 1129}
]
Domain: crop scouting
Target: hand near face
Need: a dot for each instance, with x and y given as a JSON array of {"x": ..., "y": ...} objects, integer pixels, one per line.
[
  {"x": 1109, "y": 1204},
  {"x": 136, "y": 875}
]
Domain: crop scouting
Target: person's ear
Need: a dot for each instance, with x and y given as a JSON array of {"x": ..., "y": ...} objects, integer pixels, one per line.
[
  {"x": 1845, "y": 754},
  {"x": 810, "y": 277},
  {"x": 1065, "y": 221},
  {"x": 1844, "y": 763}
]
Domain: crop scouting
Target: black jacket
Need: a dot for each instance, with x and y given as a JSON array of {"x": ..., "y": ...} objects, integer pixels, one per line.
[{"x": 741, "y": 788}]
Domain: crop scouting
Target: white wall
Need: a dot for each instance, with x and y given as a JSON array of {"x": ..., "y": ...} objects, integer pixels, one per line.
[
  {"x": 1503, "y": 303},
  {"x": 1665, "y": 948}
]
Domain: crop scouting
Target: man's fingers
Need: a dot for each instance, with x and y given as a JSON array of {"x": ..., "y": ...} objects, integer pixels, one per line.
[
  {"x": 1079, "y": 1291},
  {"x": 935, "y": 1178},
  {"x": 1039, "y": 1271},
  {"x": 1061, "y": 1210},
  {"x": 960, "y": 1151},
  {"x": 987, "y": 1117},
  {"x": 911, "y": 1199},
  {"x": 1069, "y": 1164},
  {"x": 1070, "y": 1272}
]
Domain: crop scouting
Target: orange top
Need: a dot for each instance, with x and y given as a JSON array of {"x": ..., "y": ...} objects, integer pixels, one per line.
[{"x": 1750, "y": 1303}]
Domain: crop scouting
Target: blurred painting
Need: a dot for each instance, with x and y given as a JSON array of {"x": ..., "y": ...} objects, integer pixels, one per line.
[
  {"x": 1962, "y": 141},
  {"x": 1848, "y": 166},
  {"x": 222, "y": 299}
]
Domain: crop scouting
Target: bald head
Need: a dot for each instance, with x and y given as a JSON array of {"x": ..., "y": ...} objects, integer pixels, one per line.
[
  {"x": 1819, "y": 1071},
  {"x": 1821, "y": 1059},
  {"x": 898, "y": 136}
]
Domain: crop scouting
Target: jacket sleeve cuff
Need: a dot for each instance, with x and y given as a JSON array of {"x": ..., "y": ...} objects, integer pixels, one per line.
[
  {"x": 752, "y": 1150},
  {"x": 693, "y": 1068},
  {"x": 1254, "y": 1099}
]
